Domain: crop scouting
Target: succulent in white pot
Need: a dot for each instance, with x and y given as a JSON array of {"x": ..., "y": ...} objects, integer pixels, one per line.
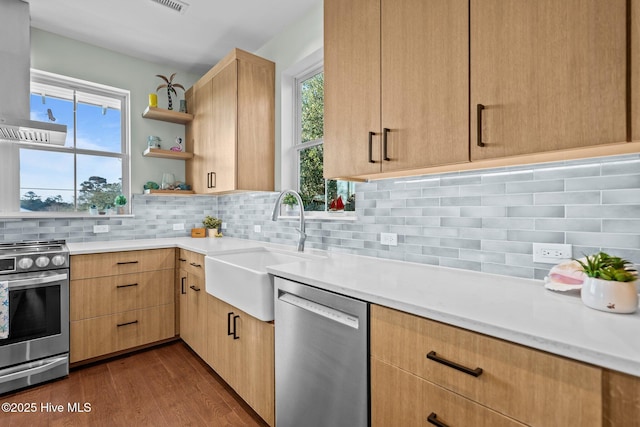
[{"x": 610, "y": 284}]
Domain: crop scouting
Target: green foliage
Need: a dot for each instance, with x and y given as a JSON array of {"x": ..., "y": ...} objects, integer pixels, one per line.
[
  {"x": 313, "y": 108},
  {"x": 120, "y": 200},
  {"x": 97, "y": 191},
  {"x": 30, "y": 201},
  {"x": 290, "y": 199},
  {"x": 211, "y": 222},
  {"x": 606, "y": 267}
]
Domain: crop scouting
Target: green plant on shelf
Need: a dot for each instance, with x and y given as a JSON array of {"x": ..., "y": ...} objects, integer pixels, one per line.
[{"x": 606, "y": 267}]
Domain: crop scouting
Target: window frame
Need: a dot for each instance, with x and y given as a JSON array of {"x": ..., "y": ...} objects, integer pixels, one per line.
[{"x": 65, "y": 83}]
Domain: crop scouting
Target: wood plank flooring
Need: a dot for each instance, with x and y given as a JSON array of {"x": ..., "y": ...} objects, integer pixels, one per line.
[{"x": 164, "y": 386}]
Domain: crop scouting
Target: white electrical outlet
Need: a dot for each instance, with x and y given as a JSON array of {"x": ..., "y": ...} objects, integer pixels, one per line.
[
  {"x": 389, "y": 239},
  {"x": 177, "y": 227},
  {"x": 551, "y": 253},
  {"x": 224, "y": 225},
  {"x": 100, "y": 229},
  {"x": 257, "y": 229}
]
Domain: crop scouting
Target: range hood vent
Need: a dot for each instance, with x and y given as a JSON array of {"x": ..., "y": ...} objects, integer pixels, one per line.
[
  {"x": 33, "y": 132},
  {"x": 15, "y": 62},
  {"x": 176, "y": 5}
]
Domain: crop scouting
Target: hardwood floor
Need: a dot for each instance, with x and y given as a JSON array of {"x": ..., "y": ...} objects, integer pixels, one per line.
[{"x": 164, "y": 386}]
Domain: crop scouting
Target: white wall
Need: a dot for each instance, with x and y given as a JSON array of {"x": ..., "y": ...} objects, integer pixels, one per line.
[
  {"x": 61, "y": 55},
  {"x": 291, "y": 50}
]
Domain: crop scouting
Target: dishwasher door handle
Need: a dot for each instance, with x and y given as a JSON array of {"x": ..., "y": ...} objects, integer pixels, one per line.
[{"x": 320, "y": 309}]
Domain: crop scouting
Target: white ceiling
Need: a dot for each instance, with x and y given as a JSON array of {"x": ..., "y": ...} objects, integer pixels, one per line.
[{"x": 193, "y": 41}]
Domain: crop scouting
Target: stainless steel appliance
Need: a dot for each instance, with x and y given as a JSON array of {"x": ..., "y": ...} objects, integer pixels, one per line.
[
  {"x": 322, "y": 357},
  {"x": 37, "y": 347}
]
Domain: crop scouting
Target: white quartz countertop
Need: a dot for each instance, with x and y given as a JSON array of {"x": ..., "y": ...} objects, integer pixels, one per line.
[{"x": 513, "y": 309}]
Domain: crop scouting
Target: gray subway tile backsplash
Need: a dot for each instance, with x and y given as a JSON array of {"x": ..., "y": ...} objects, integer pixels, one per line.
[{"x": 476, "y": 220}]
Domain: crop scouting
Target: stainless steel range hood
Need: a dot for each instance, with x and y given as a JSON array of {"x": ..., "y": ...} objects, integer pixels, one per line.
[{"x": 15, "y": 63}]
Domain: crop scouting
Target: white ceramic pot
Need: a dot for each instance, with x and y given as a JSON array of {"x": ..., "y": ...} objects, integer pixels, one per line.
[
  {"x": 605, "y": 295},
  {"x": 211, "y": 232}
]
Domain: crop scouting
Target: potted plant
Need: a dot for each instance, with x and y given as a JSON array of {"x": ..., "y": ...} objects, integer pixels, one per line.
[
  {"x": 120, "y": 201},
  {"x": 212, "y": 224},
  {"x": 610, "y": 284},
  {"x": 289, "y": 201}
]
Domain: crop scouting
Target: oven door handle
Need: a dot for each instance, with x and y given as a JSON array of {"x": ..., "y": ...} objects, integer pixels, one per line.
[
  {"x": 39, "y": 368},
  {"x": 36, "y": 281}
]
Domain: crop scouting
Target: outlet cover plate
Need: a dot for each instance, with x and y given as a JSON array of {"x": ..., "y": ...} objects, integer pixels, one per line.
[
  {"x": 551, "y": 253},
  {"x": 100, "y": 229},
  {"x": 257, "y": 229},
  {"x": 389, "y": 239},
  {"x": 178, "y": 227}
]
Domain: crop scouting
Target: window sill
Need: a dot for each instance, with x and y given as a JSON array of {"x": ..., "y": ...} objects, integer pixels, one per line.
[
  {"x": 84, "y": 215},
  {"x": 323, "y": 216}
]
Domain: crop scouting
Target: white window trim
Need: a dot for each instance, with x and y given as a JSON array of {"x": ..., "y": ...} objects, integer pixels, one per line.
[
  {"x": 291, "y": 131},
  {"x": 39, "y": 78}
]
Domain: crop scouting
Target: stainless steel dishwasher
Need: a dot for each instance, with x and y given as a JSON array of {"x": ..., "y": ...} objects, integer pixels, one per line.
[{"x": 322, "y": 357}]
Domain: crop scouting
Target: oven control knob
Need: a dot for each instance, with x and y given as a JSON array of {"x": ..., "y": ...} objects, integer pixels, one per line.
[
  {"x": 58, "y": 260},
  {"x": 25, "y": 263},
  {"x": 42, "y": 261}
]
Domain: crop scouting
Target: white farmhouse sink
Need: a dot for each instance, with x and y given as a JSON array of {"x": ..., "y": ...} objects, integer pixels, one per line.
[{"x": 240, "y": 277}]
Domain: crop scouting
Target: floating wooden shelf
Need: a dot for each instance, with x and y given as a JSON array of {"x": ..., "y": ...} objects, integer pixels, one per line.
[
  {"x": 167, "y": 115},
  {"x": 167, "y": 154},
  {"x": 169, "y": 192}
]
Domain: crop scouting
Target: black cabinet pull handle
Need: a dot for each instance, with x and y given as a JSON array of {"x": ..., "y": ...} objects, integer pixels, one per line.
[
  {"x": 182, "y": 280},
  {"x": 182, "y": 260},
  {"x": 127, "y": 323},
  {"x": 127, "y": 262},
  {"x": 371, "y": 147},
  {"x": 480, "y": 107},
  {"x": 385, "y": 135},
  {"x": 235, "y": 336},
  {"x": 195, "y": 265},
  {"x": 211, "y": 180},
  {"x": 229, "y": 323},
  {"x": 126, "y": 286},
  {"x": 433, "y": 419},
  {"x": 194, "y": 288},
  {"x": 473, "y": 372}
]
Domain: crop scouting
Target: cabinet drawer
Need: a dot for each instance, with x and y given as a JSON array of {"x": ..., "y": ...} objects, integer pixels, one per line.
[
  {"x": 113, "y": 263},
  {"x": 402, "y": 399},
  {"x": 532, "y": 386},
  {"x": 107, "y": 334},
  {"x": 191, "y": 262},
  {"x": 114, "y": 294}
]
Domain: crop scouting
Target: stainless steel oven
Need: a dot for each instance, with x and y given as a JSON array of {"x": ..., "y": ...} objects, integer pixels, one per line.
[{"x": 36, "y": 348}]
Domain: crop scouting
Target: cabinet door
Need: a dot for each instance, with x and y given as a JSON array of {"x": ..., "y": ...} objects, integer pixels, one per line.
[
  {"x": 635, "y": 70},
  {"x": 196, "y": 315},
  {"x": 202, "y": 141},
  {"x": 352, "y": 87},
  {"x": 221, "y": 350},
  {"x": 224, "y": 122},
  {"x": 425, "y": 75},
  {"x": 550, "y": 73},
  {"x": 256, "y": 366}
]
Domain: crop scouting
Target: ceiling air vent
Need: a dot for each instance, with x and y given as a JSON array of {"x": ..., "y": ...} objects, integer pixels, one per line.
[{"x": 176, "y": 5}]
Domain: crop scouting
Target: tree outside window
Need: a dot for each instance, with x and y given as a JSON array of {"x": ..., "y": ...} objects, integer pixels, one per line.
[{"x": 316, "y": 192}]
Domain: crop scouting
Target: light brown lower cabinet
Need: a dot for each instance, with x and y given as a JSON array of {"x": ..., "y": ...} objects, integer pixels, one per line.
[
  {"x": 402, "y": 399},
  {"x": 120, "y": 301},
  {"x": 241, "y": 351},
  {"x": 420, "y": 366}
]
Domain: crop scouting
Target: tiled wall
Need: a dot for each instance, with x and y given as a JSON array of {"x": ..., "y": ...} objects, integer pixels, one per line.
[
  {"x": 477, "y": 220},
  {"x": 154, "y": 218}
]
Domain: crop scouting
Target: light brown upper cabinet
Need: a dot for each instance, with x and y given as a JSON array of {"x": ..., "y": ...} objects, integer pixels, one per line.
[
  {"x": 635, "y": 70},
  {"x": 551, "y": 75},
  {"x": 396, "y": 85},
  {"x": 233, "y": 131}
]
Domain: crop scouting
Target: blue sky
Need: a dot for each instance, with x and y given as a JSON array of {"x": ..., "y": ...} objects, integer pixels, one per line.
[{"x": 51, "y": 173}]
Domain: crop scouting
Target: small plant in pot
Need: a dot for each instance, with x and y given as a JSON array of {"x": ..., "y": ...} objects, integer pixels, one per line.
[
  {"x": 212, "y": 224},
  {"x": 120, "y": 201},
  {"x": 289, "y": 201},
  {"x": 610, "y": 284}
]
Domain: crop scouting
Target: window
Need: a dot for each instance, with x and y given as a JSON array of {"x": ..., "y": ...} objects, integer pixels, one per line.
[
  {"x": 316, "y": 192},
  {"x": 92, "y": 167}
]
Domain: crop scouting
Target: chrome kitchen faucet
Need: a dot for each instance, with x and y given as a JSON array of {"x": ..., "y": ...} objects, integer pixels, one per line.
[{"x": 276, "y": 211}]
